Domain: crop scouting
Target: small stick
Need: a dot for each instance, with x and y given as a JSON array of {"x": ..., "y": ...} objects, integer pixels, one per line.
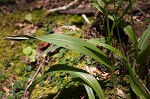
[
  {"x": 62, "y": 8},
  {"x": 28, "y": 86},
  {"x": 86, "y": 19}
]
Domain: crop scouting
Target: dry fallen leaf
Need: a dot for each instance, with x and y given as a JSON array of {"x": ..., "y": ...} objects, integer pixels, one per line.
[
  {"x": 60, "y": 29},
  {"x": 120, "y": 93},
  {"x": 6, "y": 90},
  {"x": 94, "y": 71},
  {"x": 71, "y": 28},
  {"x": 29, "y": 30}
]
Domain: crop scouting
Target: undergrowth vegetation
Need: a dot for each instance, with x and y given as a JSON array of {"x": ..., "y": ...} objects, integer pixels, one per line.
[{"x": 132, "y": 63}]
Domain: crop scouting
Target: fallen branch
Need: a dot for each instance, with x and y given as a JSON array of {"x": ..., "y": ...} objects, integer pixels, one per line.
[
  {"x": 87, "y": 11},
  {"x": 31, "y": 81},
  {"x": 86, "y": 19},
  {"x": 62, "y": 8}
]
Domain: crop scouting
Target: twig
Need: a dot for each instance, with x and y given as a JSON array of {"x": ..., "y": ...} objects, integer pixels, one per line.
[
  {"x": 58, "y": 94},
  {"x": 84, "y": 97},
  {"x": 28, "y": 86},
  {"x": 86, "y": 19},
  {"x": 62, "y": 8}
]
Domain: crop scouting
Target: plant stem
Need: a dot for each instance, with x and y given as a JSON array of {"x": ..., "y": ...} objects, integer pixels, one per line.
[
  {"x": 132, "y": 21},
  {"x": 110, "y": 32},
  {"x": 108, "y": 26},
  {"x": 120, "y": 43}
]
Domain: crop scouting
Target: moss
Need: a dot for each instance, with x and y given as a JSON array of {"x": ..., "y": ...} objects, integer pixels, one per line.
[
  {"x": 14, "y": 51},
  {"x": 48, "y": 88},
  {"x": 11, "y": 52},
  {"x": 40, "y": 32},
  {"x": 37, "y": 16},
  {"x": 68, "y": 57},
  {"x": 66, "y": 19},
  {"x": 75, "y": 19}
]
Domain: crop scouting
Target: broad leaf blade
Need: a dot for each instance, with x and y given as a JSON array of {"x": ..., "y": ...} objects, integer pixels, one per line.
[
  {"x": 71, "y": 43},
  {"x": 138, "y": 87},
  {"x": 89, "y": 92},
  {"x": 128, "y": 30},
  {"x": 143, "y": 56},
  {"x": 77, "y": 45},
  {"x": 112, "y": 49},
  {"x": 85, "y": 76},
  {"x": 144, "y": 39}
]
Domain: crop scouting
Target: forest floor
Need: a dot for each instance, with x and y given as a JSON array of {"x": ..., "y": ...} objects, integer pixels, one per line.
[{"x": 34, "y": 18}]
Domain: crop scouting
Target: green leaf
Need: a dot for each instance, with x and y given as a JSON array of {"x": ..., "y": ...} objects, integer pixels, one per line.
[
  {"x": 28, "y": 17},
  {"x": 28, "y": 68},
  {"x": 142, "y": 58},
  {"x": 18, "y": 84},
  {"x": 99, "y": 8},
  {"x": 129, "y": 5},
  {"x": 138, "y": 87},
  {"x": 128, "y": 30},
  {"x": 144, "y": 39},
  {"x": 80, "y": 46},
  {"x": 89, "y": 92},
  {"x": 100, "y": 3},
  {"x": 133, "y": 1},
  {"x": 32, "y": 58},
  {"x": 89, "y": 60},
  {"x": 33, "y": 52},
  {"x": 96, "y": 41},
  {"x": 139, "y": 9},
  {"x": 113, "y": 49},
  {"x": 88, "y": 89},
  {"x": 11, "y": 97},
  {"x": 85, "y": 76},
  {"x": 2, "y": 93},
  {"x": 51, "y": 48},
  {"x": 27, "y": 50},
  {"x": 77, "y": 45},
  {"x": 18, "y": 96}
]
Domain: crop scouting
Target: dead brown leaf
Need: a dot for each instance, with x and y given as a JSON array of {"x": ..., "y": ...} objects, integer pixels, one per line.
[
  {"x": 29, "y": 30},
  {"x": 120, "y": 93},
  {"x": 60, "y": 29},
  {"x": 6, "y": 90},
  {"x": 92, "y": 70}
]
